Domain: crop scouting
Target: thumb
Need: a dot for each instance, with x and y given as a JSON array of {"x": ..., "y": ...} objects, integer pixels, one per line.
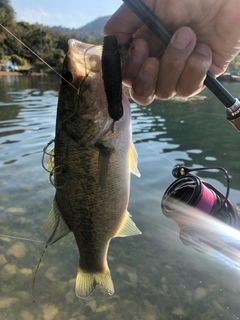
[{"x": 123, "y": 23}]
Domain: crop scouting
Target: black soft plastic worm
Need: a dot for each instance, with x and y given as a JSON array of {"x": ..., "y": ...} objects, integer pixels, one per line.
[{"x": 112, "y": 76}]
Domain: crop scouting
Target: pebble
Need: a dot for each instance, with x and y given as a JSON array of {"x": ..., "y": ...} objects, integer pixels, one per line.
[
  {"x": 72, "y": 282},
  {"x": 7, "y": 302},
  {"x": 26, "y": 315},
  {"x": 149, "y": 317},
  {"x": 212, "y": 287},
  {"x": 179, "y": 311},
  {"x": 24, "y": 295},
  {"x": 8, "y": 271},
  {"x": 218, "y": 306},
  {"x": 4, "y": 240},
  {"x": 121, "y": 270},
  {"x": 133, "y": 278},
  {"x": 164, "y": 280},
  {"x": 18, "y": 250},
  {"x": 105, "y": 307},
  {"x": 49, "y": 311},
  {"x": 3, "y": 260},
  {"x": 70, "y": 296},
  {"x": 200, "y": 293},
  {"x": 90, "y": 307},
  {"x": 168, "y": 267},
  {"x": 165, "y": 288},
  {"x": 189, "y": 295},
  {"x": 16, "y": 210},
  {"x": 26, "y": 272},
  {"x": 110, "y": 258},
  {"x": 52, "y": 274}
]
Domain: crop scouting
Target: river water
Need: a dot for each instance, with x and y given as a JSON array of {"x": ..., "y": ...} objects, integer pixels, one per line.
[{"x": 155, "y": 275}]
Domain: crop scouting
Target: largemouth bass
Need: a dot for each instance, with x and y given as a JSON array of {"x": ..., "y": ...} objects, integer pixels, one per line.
[{"x": 91, "y": 165}]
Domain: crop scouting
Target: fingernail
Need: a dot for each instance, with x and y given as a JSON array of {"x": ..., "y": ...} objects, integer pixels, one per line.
[
  {"x": 203, "y": 49},
  {"x": 149, "y": 70},
  {"x": 182, "y": 38}
]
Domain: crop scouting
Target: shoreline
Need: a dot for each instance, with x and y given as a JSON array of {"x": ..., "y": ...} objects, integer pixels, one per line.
[
  {"x": 9, "y": 73},
  {"x": 20, "y": 74}
]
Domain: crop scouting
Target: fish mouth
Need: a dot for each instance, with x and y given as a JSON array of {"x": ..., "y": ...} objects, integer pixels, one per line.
[{"x": 85, "y": 58}]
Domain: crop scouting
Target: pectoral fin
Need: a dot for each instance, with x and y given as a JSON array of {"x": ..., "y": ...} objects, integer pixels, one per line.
[
  {"x": 50, "y": 161},
  {"x": 132, "y": 155},
  {"x": 55, "y": 227},
  {"x": 103, "y": 160},
  {"x": 128, "y": 228}
]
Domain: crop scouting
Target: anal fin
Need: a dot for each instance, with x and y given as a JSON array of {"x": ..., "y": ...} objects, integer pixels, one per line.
[
  {"x": 55, "y": 226},
  {"x": 128, "y": 228}
]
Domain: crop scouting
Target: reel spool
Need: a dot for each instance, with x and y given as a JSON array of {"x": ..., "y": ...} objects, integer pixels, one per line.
[{"x": 189, "y": 197}]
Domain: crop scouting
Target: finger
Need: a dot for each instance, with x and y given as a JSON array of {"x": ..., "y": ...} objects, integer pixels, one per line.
[
  {"x": 192, "y": 78},
  {"x": 173, "y": 61},
  {"x": 138, "y": 53},
  {"x": 143, "y": 87},
  {"x": 123, "y": 23}
]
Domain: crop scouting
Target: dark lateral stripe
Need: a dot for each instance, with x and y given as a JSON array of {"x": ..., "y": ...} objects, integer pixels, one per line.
[{"x": 112, "y": 76}]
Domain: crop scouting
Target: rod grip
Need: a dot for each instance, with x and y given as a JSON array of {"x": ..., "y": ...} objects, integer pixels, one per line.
[{"x": 233, "y": 114}]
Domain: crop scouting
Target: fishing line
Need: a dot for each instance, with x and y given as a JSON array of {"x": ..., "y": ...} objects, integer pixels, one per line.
[
  {"x": 155, "y": 150},
  {"x": 37, "y": 56},
  {"x": 219, "y": 206},
  {"x": 19, "y": 238}
]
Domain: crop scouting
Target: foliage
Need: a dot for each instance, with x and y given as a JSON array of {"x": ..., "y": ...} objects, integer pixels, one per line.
[
  {"x": 235, "y": 65},
  {"x": 48, "y": 44},
  {"x": 16, "y": 59},
  {"x": 7, "y": 14}
]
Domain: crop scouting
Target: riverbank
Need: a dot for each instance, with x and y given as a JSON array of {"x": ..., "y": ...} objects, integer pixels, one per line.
[
  {"x": 9, "y": 73},
  {"x": 22, "y": 73}
]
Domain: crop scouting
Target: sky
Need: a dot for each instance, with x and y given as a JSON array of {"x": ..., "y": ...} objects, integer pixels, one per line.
[{"x": 67, "y": 13}]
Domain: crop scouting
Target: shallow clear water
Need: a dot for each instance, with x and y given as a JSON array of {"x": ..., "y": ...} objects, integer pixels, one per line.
[{"x": 155, "y": 275}]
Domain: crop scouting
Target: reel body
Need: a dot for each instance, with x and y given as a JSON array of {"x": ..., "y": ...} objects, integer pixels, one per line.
[{"x": 200, "y": 210}]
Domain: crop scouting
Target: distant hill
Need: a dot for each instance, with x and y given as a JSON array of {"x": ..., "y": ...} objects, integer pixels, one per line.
[{"x": 94, "y": 27}]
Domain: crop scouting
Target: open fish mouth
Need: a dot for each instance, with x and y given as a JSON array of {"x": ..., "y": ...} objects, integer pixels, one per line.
[{"x": 86, "y": 57}]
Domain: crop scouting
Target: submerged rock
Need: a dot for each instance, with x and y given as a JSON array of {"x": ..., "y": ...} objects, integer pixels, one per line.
[
  {"x": 52, "y": 274},
  {"x": 179, "y": 311},
  {"x": 49, "y": 311},
  {"x": 8, "y": 271},
  {"x": 3, "y": 260},
  {"x": 7, "y": 302},
  {"x": 70, "y": 296},
  {"x": 18, "y": 250},
  {"x": 200, "y": 293},
  {"x": 16, "y": 210},
  {"x": 26, "y": 315},
  {"x": 90, "y": 307}
]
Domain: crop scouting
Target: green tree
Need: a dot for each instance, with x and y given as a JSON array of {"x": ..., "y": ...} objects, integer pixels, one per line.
[
  {"x": 7, "y": 18},
  {"x": 7, "y": 14}
]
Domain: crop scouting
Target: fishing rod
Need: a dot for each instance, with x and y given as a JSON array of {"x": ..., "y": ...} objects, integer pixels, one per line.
[
  {"x": 207, "y": 219},
  {"x": 156, "y": 26}
]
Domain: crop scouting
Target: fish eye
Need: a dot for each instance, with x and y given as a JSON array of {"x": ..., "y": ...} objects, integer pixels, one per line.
[{"x": 68, "y": 78}]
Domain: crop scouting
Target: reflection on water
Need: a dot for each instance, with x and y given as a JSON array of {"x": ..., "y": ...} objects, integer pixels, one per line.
[{"x": 155, "y": 276}]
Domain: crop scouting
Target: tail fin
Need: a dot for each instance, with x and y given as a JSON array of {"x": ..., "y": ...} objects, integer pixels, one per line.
[{"x": 86, "y": 282}]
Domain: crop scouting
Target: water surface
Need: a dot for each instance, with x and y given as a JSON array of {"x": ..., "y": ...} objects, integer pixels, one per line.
[{"x": 155, "y": 275}]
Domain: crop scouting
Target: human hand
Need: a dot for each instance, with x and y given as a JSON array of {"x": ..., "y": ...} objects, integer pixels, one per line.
[{"x": 206, "y": 37}]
